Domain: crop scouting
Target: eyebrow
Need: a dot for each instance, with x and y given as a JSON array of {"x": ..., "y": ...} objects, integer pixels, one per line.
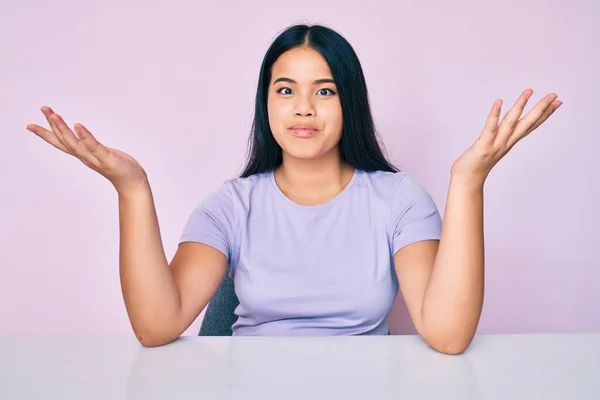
[{"x": 315, "y": 82}]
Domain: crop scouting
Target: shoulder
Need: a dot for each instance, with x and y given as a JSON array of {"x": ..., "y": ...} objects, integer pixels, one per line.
[
  {"x": 396, "y": 185},
  {"x": 232, "y": 192},
  {"x": 242, "y": 188},
  {"x": 214, "y": 218},
  {"x": 401, "y": 192},
  {"x": 248, "y": 184},
  {"x": 413, "y": 213}
]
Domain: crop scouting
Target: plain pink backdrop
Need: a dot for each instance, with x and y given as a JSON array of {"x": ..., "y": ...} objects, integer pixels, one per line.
[{"x": 173, "y": 84}]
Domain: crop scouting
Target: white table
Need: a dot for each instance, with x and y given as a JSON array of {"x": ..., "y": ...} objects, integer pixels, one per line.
[{"x": 551, "y": 366}]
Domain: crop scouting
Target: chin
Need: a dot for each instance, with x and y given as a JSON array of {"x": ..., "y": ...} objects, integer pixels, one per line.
[
  {"x": 302, "y": 154},
  {"x": 307, "y": 152},
  {"x": 305, "y": 149}
]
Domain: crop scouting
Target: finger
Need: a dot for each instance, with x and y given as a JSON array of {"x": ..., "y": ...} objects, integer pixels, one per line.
[
  {"x": 553, "y": 107},
  {"x": 510, "y": 120},
  {"x": 51, "y": 138},
  {"x": 47, "y": 111},
  {"x": 92, "y": 145},
  {"x": 541, "y": 109},
  {"x": 531, "y": 127},
  {"x": 68, "y": 137},
  {"x": 48, "y": 136},
  {"x": 491, "y": 124}
]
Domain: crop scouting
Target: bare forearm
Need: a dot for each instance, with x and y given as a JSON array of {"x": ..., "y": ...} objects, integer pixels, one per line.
[
  {"x": 151, "y": 296},
  {"x": 454, "y": 295}
]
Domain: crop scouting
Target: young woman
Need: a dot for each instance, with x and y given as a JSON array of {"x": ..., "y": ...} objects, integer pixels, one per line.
[{"x": 320, "y": 230}]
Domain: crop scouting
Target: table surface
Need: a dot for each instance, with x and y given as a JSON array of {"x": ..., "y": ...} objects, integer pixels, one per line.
[{"x": 503, "y": 366}]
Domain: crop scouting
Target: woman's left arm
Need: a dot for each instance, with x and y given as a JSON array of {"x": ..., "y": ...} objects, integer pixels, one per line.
[{"x": 443, "y": 282}]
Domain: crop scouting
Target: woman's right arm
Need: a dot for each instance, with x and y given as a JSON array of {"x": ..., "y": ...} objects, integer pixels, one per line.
[{"x": 161, "y": 300}]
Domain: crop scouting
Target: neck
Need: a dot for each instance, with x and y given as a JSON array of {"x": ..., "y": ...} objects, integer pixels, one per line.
[{"x": 313, "y": 180}]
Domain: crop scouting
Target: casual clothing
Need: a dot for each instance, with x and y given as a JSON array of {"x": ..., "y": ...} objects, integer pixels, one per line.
[{"x": 314, "y": 270}]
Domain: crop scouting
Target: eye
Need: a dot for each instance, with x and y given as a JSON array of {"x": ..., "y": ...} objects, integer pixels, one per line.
[
  {"x": 285, "y": 90},
  {"x": 325, "y": 92}
]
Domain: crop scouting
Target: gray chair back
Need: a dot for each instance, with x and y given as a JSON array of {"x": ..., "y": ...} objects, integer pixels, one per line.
[{"x": 220, "y": 313}]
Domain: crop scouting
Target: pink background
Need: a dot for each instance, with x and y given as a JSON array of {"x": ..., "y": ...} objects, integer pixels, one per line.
[{"x": 173, "y": 84}]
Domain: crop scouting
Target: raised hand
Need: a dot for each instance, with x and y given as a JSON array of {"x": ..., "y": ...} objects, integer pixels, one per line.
[
  {"x": 122, "y": 170},
  {"x": 496, "y": 140}
]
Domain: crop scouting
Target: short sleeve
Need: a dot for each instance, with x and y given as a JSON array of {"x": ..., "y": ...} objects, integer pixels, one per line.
[
  {"x": 415, "y": 217},
  {"x": 212, "y": 222}
]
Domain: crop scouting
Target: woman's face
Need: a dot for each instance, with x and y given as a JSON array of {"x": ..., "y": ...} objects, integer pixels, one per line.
[{"x": 304, "y": 109}]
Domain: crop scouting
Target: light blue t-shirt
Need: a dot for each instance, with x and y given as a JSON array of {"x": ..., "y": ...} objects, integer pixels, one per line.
[{"x": 314, "y": 270}]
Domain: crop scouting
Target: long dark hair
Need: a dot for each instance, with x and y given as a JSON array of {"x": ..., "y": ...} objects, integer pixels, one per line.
[{"x": 359, "y": 145}]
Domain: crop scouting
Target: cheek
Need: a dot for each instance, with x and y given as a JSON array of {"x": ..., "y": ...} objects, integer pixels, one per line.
[
  {"x": 277, "y": 111},
  {"x": 333, "y": 115}
]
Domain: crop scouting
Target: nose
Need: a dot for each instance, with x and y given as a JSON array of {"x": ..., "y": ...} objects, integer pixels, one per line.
[{"x": 304, "y": 107}]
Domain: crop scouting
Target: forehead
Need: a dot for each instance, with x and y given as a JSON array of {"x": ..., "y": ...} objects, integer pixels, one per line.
[{"x": 301, "y": 64}]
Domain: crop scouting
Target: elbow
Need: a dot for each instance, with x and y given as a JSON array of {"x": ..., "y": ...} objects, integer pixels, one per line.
[
  {"x": 152, "y": 330},
  {"x": 447, "y": 344},
  {"x": 450, "y": 349},
  {"x": 153, "y": 340},
  {"x": 154, "y": 336},
  {"x": 149, "y": 343}
]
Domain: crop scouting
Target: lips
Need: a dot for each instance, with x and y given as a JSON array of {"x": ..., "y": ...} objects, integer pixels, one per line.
[{"x": 303, "y": 130}]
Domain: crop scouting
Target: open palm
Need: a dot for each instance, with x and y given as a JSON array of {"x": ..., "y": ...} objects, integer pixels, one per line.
[
  {"x": 497, "y": 139},
  {"x": 121, "y": 169}
]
